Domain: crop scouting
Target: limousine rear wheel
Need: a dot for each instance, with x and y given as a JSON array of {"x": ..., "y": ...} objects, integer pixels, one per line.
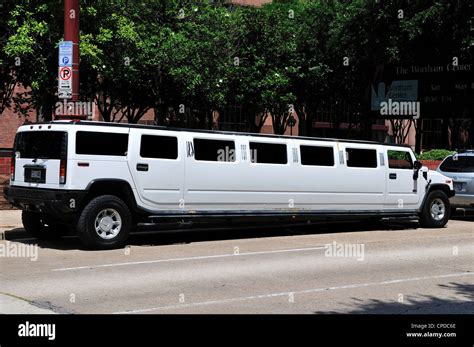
[
  {"x": 35, "y": 223},
  {"x": 104, "y": 223},
  {"x": 436, "y": 210}
]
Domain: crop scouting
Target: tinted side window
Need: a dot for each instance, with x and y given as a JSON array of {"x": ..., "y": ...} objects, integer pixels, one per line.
[
  {"x": 320, "y": 156},
  {"x": 268, "y": 153},
  {"x": 214, "y": 150},
  {"x": 97, "y": 143},
  {"x": 358, "y": 157},
  {"x": 159, "y": 147},
  {"x": 399, "y": 160}
]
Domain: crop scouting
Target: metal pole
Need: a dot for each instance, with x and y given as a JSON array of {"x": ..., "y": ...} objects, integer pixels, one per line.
[{"x": 71, "y": 33}]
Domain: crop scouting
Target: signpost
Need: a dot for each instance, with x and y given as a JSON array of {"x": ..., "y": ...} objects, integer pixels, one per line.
[
  {"x": 400, "y": 90},
  {"x": 65, "y": 70},
  {"x": 65, "y": 53}
]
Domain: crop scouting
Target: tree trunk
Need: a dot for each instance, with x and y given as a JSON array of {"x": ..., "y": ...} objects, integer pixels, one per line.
[
  {"x": 470, "y": 142},
  {"x": 418, "y": 133}
]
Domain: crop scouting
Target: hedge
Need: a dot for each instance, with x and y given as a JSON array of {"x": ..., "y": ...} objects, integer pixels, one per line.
[{"x": 434, "y": 154}]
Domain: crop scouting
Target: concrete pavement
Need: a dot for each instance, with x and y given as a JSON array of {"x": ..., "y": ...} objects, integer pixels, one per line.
[
  {"x": 9, "y": 219},
  {"x": 392, "y": 267},
  {"x": 10, "y": 304}
]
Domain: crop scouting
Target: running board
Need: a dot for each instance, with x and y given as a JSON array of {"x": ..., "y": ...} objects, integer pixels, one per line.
[{"x": 187, "y": 218}]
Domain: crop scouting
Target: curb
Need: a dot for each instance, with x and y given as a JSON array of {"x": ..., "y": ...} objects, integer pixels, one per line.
[
  {"x": 12, "y": 304},
  {"x": 13, "y": 233}
]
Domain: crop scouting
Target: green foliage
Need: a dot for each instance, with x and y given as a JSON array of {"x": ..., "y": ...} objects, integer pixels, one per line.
[
  {"x": 34, "y": 31},
  {"x": 434, "y": 154},
  {"x": 187, "y": 59}
]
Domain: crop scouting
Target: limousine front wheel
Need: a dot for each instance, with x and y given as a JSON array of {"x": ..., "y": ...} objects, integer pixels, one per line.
[
  {"x": 436, "y": 210},
  {"x": 104, "y": 223}
]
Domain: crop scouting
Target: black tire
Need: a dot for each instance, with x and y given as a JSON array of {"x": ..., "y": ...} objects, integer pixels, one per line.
[
  {"x": 36, "y": 224},
  {"x": 86, "y": 225},
  {"x": 426, "y": 218},
  {"x": 453, "y": 211}
]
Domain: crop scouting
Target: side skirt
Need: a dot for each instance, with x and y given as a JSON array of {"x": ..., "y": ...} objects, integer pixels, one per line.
[{"x": 192, "y": 217}]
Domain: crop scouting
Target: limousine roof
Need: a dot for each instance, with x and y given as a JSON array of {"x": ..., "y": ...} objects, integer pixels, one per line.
[{"x": 158, "y": 127}]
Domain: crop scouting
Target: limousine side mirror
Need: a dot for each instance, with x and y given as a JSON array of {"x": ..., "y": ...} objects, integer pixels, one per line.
[{"x": 417, "y": 165}]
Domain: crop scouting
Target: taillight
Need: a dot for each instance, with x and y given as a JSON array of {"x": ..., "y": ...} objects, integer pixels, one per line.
[
  {"x": 12, "y": 168},
  {"x": 62, "y": 171},
  {"x": 63, "y": 161}
]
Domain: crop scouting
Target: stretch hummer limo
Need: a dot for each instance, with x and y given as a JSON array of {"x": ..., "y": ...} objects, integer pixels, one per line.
[{"x": 102, "y": 180}]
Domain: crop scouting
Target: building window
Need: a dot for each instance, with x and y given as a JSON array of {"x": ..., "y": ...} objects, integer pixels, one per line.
[
  {"x": 317, "y": 156},
  {"x": 98, "y": 143},
  {"x": 159, "y": 147},
  {"x": 214, "y": 150},
  {"x": 268, "y": 153},
  {"x": 358, "y": 157},
  {"x": 432, "y": 134}
]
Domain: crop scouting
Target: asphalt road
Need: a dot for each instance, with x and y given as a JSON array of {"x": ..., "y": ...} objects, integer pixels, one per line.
[{"x": 391, "y": 267}]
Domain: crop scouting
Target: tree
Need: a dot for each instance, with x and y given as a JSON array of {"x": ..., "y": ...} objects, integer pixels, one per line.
[
  {"x": 401, "y": 129},
  {"x": 113, "y": 53},
  {"x": 8, "y": 76},
  {"x": 310, "y": 77},
  {"x": 194, "y": 56},
  {"x": 248, "y": 65},
  {"x": 35, "y": 31},
  {"x": 278, "y": 46}
]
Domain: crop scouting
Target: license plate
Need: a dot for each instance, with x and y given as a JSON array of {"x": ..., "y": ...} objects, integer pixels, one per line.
[{"x": 35, "y": 174}]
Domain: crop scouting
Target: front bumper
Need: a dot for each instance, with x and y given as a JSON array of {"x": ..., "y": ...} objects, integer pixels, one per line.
[
  {"x": 462, "y": 200},
  {"x": 61, "y": 204}
]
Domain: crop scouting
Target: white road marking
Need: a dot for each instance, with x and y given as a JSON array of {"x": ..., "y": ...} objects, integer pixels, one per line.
[
  {"x": 189, "y": 258},
  {"x": 307, "y": 291}
]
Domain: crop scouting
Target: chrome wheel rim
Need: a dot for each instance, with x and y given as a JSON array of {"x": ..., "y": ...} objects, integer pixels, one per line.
[
  {"x": 108, "y": 224},
  {"x": 437, "y": 209}
]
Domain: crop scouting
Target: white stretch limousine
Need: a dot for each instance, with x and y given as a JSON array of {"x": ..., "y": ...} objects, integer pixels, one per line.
[{"x": 103, "y": 179}]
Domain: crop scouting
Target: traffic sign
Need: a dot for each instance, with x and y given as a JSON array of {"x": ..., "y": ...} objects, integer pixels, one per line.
[
  {"x": 65, "y": 82},
  {"x": 65, "y": 53},
  {"x": 64, "y": 94},
  {"x": 65, "y": 73},
  {"x": 65, "y": 70}
]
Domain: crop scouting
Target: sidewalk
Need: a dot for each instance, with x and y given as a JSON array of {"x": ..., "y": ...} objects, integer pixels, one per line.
[
  {"x": 9, "y": 219},
  {"x": 4, "y": 205},
  {"x": 11, "y": 304}
]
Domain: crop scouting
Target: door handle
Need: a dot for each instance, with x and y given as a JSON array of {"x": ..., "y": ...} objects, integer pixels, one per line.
[
  {"x": 142, "y": 167},
  {"x": 392, "y": 176}
]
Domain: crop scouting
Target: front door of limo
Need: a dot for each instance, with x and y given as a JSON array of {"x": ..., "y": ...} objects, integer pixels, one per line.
[{"x": 401, "y": 190}]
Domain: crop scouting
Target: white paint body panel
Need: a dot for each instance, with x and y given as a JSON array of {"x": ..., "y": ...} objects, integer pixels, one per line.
[{"x": 189, "y": 185}]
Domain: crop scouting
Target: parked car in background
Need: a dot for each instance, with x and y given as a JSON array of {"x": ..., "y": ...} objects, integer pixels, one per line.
[{"x": 460, "y": 168}]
